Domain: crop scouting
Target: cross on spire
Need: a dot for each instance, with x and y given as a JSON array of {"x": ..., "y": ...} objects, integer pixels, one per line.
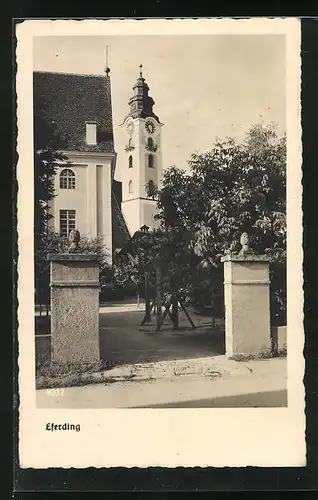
[
  {"x": 107, "y": 69},
  {"x": 140, "y": 66}
]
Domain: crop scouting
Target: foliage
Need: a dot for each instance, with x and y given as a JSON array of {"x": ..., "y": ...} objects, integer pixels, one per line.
[
  {"x": 52, "y": 242},
  {"x": 145, "y": 251},
  {"x": 46, "y": 158},
  {"x": 232, "y": 188},
  {"x": 47, "y": 143}
]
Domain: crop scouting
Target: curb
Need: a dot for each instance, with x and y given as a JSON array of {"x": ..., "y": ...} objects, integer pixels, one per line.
[
  {"x": 140, "y": 373},
  {"x": 217, "y": 369}
]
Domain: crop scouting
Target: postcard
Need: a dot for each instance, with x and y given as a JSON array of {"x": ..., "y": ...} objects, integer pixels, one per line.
[{"x": 160, "y": 301}]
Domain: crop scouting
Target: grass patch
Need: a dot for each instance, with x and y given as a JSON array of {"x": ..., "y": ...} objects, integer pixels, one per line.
[
  {"x": 78, "y": 379},
  {"x": 57, "y": 370},
  {"x": 282, "y": 353},
  {"x": 260, "y": 356},
  {"x": 72, "y": 381},
  {"x": 51, "y": 375}
]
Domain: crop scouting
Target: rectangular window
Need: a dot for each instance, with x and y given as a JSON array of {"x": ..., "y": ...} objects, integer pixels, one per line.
[
  {"x": 67, "y": 222},
  {"x": 91, "y": 133}
]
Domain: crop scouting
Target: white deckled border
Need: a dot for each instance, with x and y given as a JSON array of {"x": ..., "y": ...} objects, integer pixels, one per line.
[{"x": 172, "y": 437}]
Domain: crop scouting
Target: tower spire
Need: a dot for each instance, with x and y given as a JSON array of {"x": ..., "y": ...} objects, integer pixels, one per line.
[
  {"x": 141, "y": 103},
  {"x": 107, "y": 69}
]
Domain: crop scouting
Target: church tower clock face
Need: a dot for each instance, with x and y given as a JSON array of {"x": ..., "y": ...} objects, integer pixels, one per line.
[{"x": 150, "y": 127}]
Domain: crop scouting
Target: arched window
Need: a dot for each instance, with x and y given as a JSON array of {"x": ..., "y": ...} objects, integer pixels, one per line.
[
  {"x": 150, "y": 161},
  {"x": 67, "y": 179},
  {"x": 130, "y": 187},
  {"x": 150, "y": 142},
  {"x": 130, "y": 162}
]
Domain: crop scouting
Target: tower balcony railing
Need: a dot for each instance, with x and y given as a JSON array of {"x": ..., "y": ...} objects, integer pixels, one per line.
[
  {"x": 129, "y": 148},
  {"x": 153, "y": 148}
]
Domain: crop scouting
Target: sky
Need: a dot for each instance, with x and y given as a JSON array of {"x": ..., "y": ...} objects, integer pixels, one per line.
[{"x": 204, "y": 86}]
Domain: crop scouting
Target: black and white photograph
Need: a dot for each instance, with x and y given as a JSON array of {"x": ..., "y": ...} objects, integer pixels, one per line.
[{"x": 161, "y": 238}]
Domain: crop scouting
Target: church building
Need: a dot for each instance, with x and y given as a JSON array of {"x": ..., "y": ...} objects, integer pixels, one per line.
[{"x": 87, "y": 197}]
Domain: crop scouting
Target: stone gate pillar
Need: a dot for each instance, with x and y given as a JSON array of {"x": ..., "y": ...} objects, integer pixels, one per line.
[
  {"x": 247, "y": 303},
  {"x": 74, "y": 308}
]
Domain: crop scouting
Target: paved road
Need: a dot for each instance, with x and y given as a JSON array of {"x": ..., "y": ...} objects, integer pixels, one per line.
[
  {"x": 123, "y": 340},
  {"x": 269, "y": 399},
  {"x": 263, "y": 389}
]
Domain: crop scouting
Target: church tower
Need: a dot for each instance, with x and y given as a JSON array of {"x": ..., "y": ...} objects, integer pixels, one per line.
[{"x": 142, "y": 159}]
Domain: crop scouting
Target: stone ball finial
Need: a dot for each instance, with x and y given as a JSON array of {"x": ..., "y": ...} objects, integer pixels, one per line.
[
  {"x": 245, "y": 242},
  {"x": 74, "y": 239}
]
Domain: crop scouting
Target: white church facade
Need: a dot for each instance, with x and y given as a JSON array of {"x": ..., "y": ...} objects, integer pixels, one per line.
[
  {"x": 87, "y": 197},
  {"x": 83, "y": 196}
]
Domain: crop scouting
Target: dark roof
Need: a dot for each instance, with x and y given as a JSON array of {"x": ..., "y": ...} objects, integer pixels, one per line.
[
  {"x": 71, "y": 100},
  {"x": 120, "y": 231},
  {"x": 117, "y": 189}
]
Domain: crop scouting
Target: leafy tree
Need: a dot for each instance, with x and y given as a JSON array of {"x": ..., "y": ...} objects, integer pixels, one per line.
[
  {"x": 47, "y": 143},
  {"x": 52, "y": 242},
  {"x": 135, "y": 258},
  {"x": 232, "y": 188},
  {"x": 145, "y": 251}
]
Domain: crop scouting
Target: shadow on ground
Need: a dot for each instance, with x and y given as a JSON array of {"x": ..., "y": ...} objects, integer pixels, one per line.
[
  {"x": 124, "y": 341},
  {"x": 273, "y": 399}
]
